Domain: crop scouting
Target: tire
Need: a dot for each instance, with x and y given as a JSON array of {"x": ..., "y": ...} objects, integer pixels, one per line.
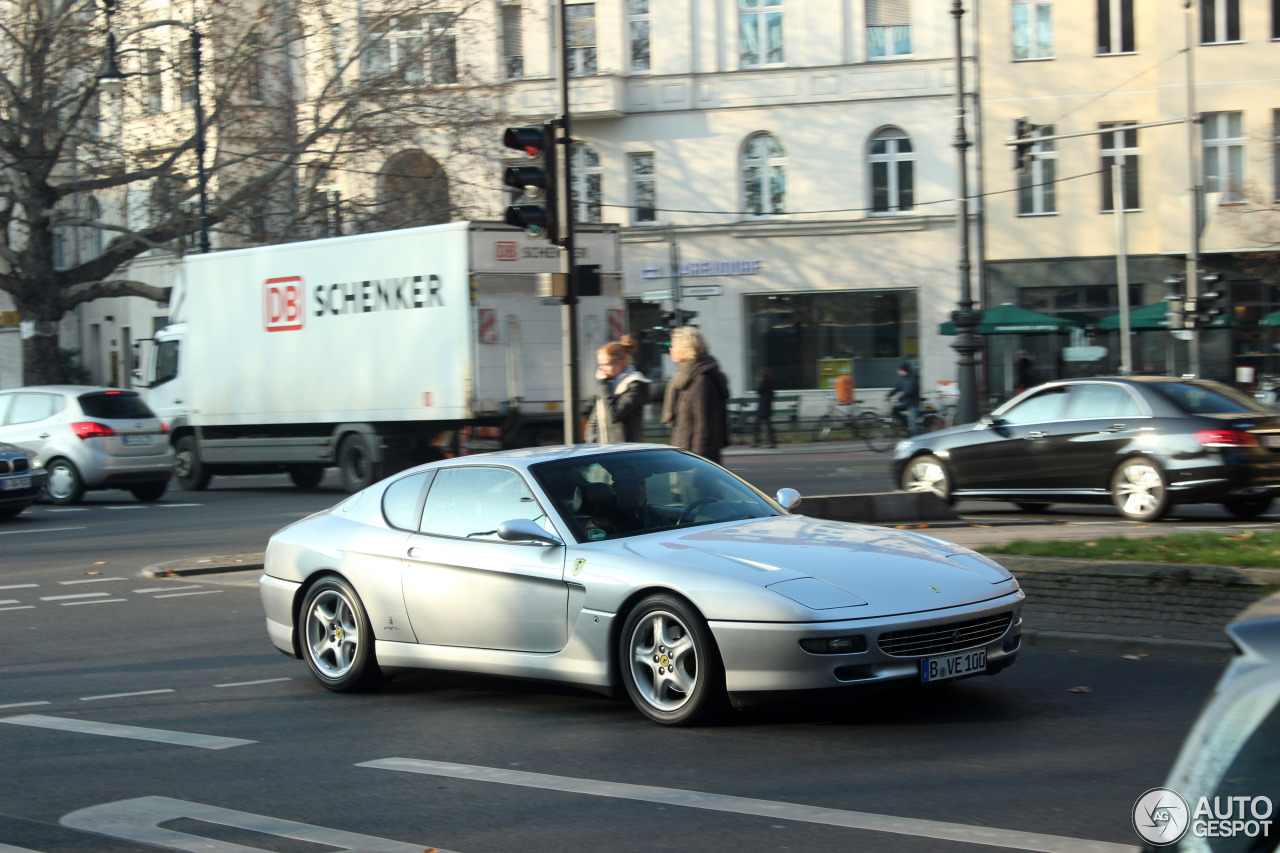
[
  {"x": 1140, "y": 490},
  {"x": 927, "y": 474},
  {"x": 188, "y": 468},
  {"x": 12, "y": 511},
  {"x": 355, "y": 461},
  {"x": 825, "y": 424},
  {"x": 1248, "y": 507},
  {"x": 150, "y": 492},
  {"x": 669, "y": 663},
  {"x": 336, "y": 638},
  {"x": 65, "y": 485},
  {"x": 306, "y": 477},
  {"x": 880, "y": 435},
  {"x": 931, "y": 422},
  {"x": 1030, "y": 507}
]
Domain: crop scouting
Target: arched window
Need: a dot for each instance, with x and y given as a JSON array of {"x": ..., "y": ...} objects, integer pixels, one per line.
[
  {"x": 764, "y": 176},
  {"x": 413, "y": 189},
  {"x": 892, "y": 166},
  {"x": 588, "y": 186}
]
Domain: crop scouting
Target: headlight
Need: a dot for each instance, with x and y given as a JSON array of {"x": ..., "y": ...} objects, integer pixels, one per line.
[{"x": 34, "y": 462}]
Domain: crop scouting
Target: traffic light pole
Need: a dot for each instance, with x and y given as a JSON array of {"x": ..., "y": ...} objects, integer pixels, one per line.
[
  {"x": 1193, "y": 190},
  {"x": 569, "y": 304}
]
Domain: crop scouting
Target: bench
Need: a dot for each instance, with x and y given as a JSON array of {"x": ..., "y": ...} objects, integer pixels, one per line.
[{"x": 742, "y": 415}]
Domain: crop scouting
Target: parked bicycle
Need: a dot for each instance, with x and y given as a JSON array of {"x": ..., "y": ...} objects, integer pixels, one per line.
[{"x": 839, "y": 417}]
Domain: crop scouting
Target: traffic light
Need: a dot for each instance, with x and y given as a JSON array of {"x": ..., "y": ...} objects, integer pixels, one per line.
[
  {"x": 1174, "y": 315},
  {"x": 1207, "y": 311},
  {"x": 1023, "y": 130},
  {"x": 685, "y": 318},
  {"x": 537, "y": 197}
]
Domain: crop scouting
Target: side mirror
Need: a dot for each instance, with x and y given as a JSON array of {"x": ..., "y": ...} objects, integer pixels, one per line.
[
  {"x": 990, "y": 421},
  {"x": 788, "y": 498},
  {"x": 524, "y": 530}
]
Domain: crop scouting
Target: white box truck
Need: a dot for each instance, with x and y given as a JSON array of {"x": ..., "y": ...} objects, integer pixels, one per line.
[{"x": 373, "y": 352}]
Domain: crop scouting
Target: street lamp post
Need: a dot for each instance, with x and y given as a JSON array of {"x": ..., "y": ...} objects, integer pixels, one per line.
[{"x": 964, "y": 317}]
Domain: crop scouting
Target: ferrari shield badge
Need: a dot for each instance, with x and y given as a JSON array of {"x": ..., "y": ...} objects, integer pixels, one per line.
[{"x": 577, "y": 566}]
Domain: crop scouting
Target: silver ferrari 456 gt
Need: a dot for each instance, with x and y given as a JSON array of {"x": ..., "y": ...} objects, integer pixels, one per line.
[{"x": 635, "y": 568}]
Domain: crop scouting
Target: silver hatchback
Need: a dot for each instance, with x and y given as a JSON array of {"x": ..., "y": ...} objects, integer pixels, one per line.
[{"x": 89, "y": 438}]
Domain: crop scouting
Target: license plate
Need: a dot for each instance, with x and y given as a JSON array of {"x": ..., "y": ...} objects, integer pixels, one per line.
[
  {"x": 1271, "y": 441},
  {"x": 139, "y": 439},
  {"x": 953, "y": 666},
  {"x": 15, "y": 484}
]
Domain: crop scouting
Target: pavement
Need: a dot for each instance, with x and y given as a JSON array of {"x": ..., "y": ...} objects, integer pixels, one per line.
[{"x": 1134, "y": 609}]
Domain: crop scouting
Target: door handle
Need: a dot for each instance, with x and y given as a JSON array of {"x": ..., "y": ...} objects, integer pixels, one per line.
[
  {"x": 1036, "y": 435},
  {"x": 44, "y": 435},
  {"x": 414, "y": 552},
  {"x": 1115, "y": 428}
]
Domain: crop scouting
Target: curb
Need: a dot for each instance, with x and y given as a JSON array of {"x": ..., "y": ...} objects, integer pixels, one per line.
[
  {"x": 205, "y": 566},
  {"x": 1156, "y": 647}
]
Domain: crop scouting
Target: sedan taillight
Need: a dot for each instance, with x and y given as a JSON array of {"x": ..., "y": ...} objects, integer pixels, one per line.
[
  {"x": 164, "y": 428},
  {"x": 1226, "y": 438},
  {"x": 91, "y": 429}
]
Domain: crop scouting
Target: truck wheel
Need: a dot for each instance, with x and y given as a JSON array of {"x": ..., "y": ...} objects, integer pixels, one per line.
[
  {"x": 149, "y": 492},
  {"x": 187, "y": 466},
  {"x": 355, "y": 461},
  {"x": 306, "y": 477}
]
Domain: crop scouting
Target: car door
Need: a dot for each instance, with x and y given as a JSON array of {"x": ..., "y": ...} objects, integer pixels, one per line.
[
  {"x": 1100, "y": 420},
  {"x": 463, "y": 586},
  {"x": 1012, "y": 451},
  {"x": 29, "y": 421}
]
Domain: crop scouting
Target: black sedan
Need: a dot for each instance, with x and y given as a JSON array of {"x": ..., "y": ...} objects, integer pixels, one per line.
[{"x": 1143, "y": 443}]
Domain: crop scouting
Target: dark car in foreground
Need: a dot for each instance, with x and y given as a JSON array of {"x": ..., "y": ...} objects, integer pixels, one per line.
[
  {"x": 1143, "y": 443},
  {"x": 21, "y": 479}
]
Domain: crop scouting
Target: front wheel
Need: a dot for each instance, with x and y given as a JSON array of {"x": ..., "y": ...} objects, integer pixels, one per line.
[
  {"x": 65, "y": 486},
  {"x": 926, "y": 474},
  {"x": 669, "y": 663},
  {"x": 880, "y": 433},
  {"x": 150, "y": 492},
  {"x": 825, "y": 424},
  {"x": 1139, "y": 490},
  {"x": 356, "y": 462},
  {"x": 337, "y": 640},
  {"x": 1248, "y": 507}
]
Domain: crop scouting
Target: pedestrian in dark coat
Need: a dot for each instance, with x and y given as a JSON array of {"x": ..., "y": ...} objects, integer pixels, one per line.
[
  {"x": 623, "y": 391},
  {"x": 696, "y": 406},
  {"x": 764, "y": 430}
]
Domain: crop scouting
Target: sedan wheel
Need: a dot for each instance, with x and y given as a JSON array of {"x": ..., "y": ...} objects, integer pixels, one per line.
[
  {"x": 64, "y": 485},
  {"x": 336, "y": 638},
  {"x": 1139, "y": 490},
  {"x": 669, "y": 663},
  {"x": 1248, "y": 507},
  {"x": 926, "y": 474}
]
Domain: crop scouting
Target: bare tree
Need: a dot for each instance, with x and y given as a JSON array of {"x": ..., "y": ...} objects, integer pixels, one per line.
[{"x": 293, "y": 93}]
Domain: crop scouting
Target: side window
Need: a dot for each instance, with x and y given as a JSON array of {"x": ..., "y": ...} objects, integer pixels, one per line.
[
  {"x": 1045, "y": 406},
  {"x": 1100, "y": 401},
  {"x": 166, "y": 361},
  {"x": 470, "y": 502},
  {"x": 402, "y": 501},
  {"x": 31, "y": 407}
]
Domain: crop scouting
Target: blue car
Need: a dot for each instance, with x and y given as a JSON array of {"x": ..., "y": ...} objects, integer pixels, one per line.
[{"x": 21, "y": 479}]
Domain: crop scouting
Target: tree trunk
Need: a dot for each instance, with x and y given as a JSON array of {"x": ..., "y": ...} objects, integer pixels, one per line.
[{"x": 40, "y": 362}]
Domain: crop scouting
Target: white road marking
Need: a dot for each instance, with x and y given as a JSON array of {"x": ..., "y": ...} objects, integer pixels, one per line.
[
  {"x": 140, "y": 820},
  {"x": 24, "y": 704},
  {"x": 252, "y": 683},
  {"x": 93, "y": 601},
  {"x": 41, "y": 530},
  {"x": 69, "y": 509},
  {"x": 916, "y": 827},
  {"x": 170, "y": 506},
  {"x": 152, "y": 589},
  {"x": 20, "y": 586},
  {"x": 201, "y": 592},
  {"x": 89, "y": 727},
  {"x": 22, "y": 607},
  {"x": 124, "y": 507},
  {"x": 11, "y": 601},
  {"x": 126, "y": 695},
  {"x": 77, "y": 595},
  {"x": 90, "y": 580}
]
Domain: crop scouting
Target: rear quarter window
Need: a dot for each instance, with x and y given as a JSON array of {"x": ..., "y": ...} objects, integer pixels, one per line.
[
  {"x": 108, "y": 405},
  {"x": 1200, "y": 400}
]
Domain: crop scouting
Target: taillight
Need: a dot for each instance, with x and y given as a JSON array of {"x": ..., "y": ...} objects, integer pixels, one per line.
[
  {"x": 164, "y": 428},
  {"x": 91, "y": 429},
  {"x": 1226, "y": 438}
]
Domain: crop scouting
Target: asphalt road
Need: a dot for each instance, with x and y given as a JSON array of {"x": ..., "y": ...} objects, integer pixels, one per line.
[{"x": 234, "y": 744}]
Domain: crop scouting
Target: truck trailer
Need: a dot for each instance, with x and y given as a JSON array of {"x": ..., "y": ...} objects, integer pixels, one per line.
[{"x": 374, "y": 352}]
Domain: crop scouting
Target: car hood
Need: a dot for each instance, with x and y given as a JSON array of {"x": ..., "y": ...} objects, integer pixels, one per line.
[{"x": 829, "y": 565}]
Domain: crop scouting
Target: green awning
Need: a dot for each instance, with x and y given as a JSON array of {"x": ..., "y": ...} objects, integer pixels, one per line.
[
  {"x": 1272, "y": 319},
  {"x": 1155, "y": 316},
  {"x": 1012, "y": 320}
]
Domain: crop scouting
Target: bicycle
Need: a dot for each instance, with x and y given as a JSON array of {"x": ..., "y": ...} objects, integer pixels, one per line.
[
  {"x": 882, "y": 430},
  {"x": 837, "y": 416}
]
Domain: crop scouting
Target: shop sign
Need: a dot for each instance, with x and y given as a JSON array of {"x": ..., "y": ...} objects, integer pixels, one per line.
[
  {"x": 8, "y": 318},
  {"x": 702, "y": 269}
]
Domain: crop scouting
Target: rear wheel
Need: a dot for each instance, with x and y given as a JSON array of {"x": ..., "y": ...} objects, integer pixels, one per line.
[
  {"x": 337, "y": 640},
  {"x": 306, "y": 477},
  {"x": 1139, "y": 490},
  {"x": 356, "y": 462},
  {"x": 926, "y": 474},
  {"x": 188, "y": 468},
  {"x": 65, "y": 485},
  {"x": 149, "y": 492},
  {"x": 1248, "y": 507},
  {"x": 825, "y": 425},
  {"x": 669, "y": 663},
  {"x": 879, "y": 433}
]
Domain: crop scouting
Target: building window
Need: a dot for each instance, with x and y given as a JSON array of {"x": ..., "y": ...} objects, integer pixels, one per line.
[
  {"x": 764, "y": 176},
  {"x": 638, "y": 32},
  {"x": 759, "y": 32},
  {"x": 1036, "y": 184},
  {"x": 444, "y": 48},
  {"x": 1219, "y": 21},
  {"x": 153, "y": 80},
  {"x": 796, "y": 335},
  {"x": 1032, "y": 29},
  {"x": 1122, "y": 144},
  {"x": 888, "y": 28},
  {"x": 512, "y": 41},
  {"x": 413, "y": 189},
  {"x": 587, "y": 183},
  {"x": 581, "y": 39},
  {"x": 1275, "y": 19},
  {"x": 396, "y": 49},
  {"x": 643, "y": 191},
  {"x": 892, "y": 172},
  {"x": 1224, "y": 141},
  {"x": 1115, "y": 26}
]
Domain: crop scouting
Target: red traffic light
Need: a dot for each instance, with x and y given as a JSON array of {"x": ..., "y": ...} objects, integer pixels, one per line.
[{"x": 531, "y": 139}]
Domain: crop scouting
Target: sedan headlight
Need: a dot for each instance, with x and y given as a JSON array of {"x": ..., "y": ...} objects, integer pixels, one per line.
[{"x": 34, "y": 462}]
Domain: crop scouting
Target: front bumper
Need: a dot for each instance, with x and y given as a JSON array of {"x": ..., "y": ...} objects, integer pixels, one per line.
[
  {"x": 277, "y": 602},
  {"x": 767, "y": 657},
  {"x": 24, "y": 495}
]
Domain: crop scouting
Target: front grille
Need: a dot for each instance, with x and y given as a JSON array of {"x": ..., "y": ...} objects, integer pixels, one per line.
[
  {"x": 951, "y": 637},
  {"x": 20, "y": 465}
]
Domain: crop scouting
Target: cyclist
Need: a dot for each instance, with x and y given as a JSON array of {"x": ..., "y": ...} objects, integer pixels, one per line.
[{"x": 907, "y": 390}]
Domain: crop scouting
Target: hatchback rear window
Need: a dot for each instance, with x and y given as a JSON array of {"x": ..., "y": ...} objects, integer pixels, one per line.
[
  {"x": 1204, "y": 400},
  {"x": 108, "y": 405}
]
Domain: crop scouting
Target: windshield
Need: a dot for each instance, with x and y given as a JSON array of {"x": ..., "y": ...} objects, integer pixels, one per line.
[
  {"x": 1205, "y": 398},
  {"x": 616, "y": 495}
]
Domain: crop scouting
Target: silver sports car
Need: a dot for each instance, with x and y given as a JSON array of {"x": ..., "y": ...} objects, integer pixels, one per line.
[{"x": 635, "y": 568}]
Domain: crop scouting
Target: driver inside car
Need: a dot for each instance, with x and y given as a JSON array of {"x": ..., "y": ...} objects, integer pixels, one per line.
[{"x": 627, "y": 510}]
